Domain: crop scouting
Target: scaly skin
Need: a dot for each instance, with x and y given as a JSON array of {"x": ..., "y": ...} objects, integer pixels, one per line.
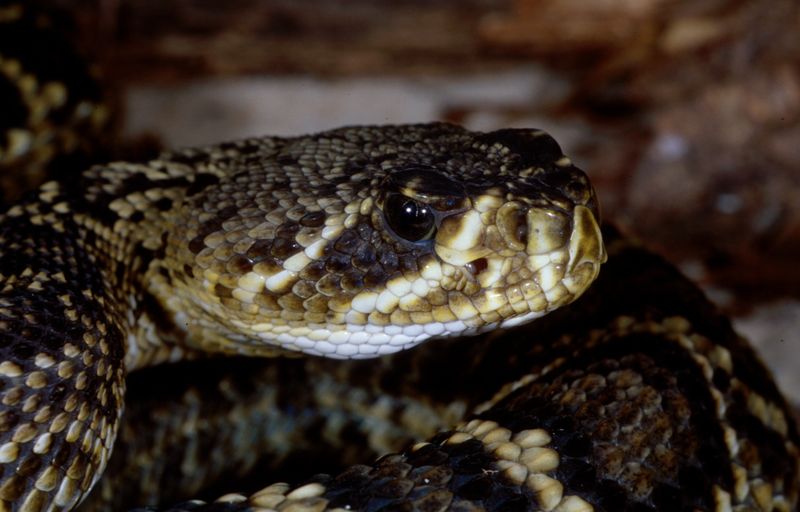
[
  {"x": 639, "y": 396},
  {"x": 265, "y": 246}
]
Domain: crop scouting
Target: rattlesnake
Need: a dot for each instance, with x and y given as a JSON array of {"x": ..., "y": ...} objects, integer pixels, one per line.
[{"x": 359, "y": 242}]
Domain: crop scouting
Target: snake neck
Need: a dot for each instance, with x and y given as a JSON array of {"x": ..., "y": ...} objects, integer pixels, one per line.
[
  {"x": 122, "y": 212},
  {"x": 118, "y": 215}
]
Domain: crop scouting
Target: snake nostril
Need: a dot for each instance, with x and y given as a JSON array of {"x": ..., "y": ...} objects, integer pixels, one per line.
[
  {"x": 477, "y": 266},
  {"x": 521, "y": 231},
  {"x": 512, "y": 223}
]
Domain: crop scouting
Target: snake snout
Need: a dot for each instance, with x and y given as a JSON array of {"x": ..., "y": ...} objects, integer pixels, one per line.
[
  {"x": 549, "y": 230},
  {"x": 533, "y": 230}
]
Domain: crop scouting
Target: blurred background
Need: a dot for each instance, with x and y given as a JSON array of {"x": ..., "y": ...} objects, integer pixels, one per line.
[{"x": 685, "y": 113}]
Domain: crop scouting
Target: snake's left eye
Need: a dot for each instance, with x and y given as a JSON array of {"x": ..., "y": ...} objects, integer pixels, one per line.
[{"x": 410, "y": 219}]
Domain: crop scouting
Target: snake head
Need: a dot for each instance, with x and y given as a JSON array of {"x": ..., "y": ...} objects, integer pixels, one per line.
[
  {"x": 507, "y": 242},
  {"x": 367, "y": 240}
]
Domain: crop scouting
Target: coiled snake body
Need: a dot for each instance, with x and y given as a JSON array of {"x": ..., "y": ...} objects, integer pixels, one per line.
[{"x": 365, "y": 241}]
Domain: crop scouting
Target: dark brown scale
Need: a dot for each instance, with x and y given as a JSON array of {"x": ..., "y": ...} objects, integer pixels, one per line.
[
  {"x": 329, "y": 285},
  {"x": 317, "y": 303},
  {"x": 347, "y": 242},
  {"x": 239, "y": 264},
  {"x": 352, "y": 281},
  {"x": 432, "y": 475},
  {"x": 223, "y": 291},
  {"x": 268, "y": 301},
  {"x": 206, "y": 228},
  {"x": 364, "y": 257},
  {"x": 338, "y": 262},
  {"x": 290, "y": 303},
  {"x": 313, "y": 272},
  {"x": 228, "y": 212},
  {"x": 286, "y": 160},
  {"x": 409, "y": 263},
  {"x": 231, "y": 303},
  {"x": 12, "y": 488},
  {"x": 374, "y": 277},
  {"x": 260, "y": 251},
  {"x": 201, "y": 181},
  {"x": 388, "y": 260},
  {"x": 8, "y": 419},
  {"x": 367, "y": 233},
  {"x": 284, "y": 248},
  {"x": 304, "y": 289}
]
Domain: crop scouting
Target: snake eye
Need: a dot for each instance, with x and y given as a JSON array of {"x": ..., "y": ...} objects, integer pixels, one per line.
[{"x": 410, "y": 219}]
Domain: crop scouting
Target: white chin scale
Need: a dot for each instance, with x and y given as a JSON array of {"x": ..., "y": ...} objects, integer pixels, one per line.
[{"x": 366, "y": 341}]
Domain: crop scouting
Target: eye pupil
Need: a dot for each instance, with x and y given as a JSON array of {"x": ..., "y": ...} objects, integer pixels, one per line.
[{"x": 408, "y": 218}]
